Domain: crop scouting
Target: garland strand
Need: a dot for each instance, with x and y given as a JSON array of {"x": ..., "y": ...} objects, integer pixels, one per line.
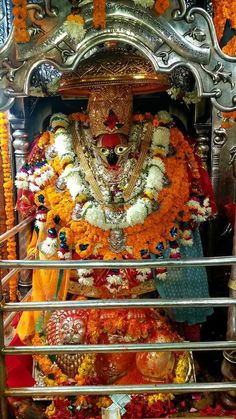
[
  {"x": 19, "y": 12},
  {"x": 99, "y": 14},
  {"x": 8, "y": 197},
  {"x": 225, "y": 10}
]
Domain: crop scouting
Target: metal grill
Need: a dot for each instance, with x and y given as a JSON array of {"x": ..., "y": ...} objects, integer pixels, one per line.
[{"x": 107, "y": 304}]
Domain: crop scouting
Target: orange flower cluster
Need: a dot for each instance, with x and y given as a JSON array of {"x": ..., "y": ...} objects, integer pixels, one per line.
[
  {"x": 172, "y": 201},
  {"x": 20, "y": 15},
  {"x": 138, "y": 325},
  {"x": 53, "y": 374},
  {"x": 172, "y": 208},
  {"x": 228, "y": 119},
  {"x": 230, "y": 47},
  {"x": 8, "y": 197},
  {"x": 99, "y": 14},
  {"x": 81, "y": 117},
  {"x": 225, "y": 10},
  {"x": 75, "y": 18},
  {"x": 161, "y": 6}
]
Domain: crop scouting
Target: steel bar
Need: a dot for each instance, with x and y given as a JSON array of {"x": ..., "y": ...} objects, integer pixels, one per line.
[
  {"x": 3, "y": 401},
  {"x": 10, "y": 274},
  {"x": 127, "y": 389},
  {"x": 147, "y": 347},
  {"x": 110, "y": 304},
  {"x": 11, "y": 316},
  {"x": 19, "y": 227},
  {"x": 118, "y": 264}
]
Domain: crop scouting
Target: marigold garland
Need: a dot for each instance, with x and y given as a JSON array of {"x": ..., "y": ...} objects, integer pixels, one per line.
[
  {"x": 53, "y": 373},
  {"x": 8, "y": 197},
  {"x": 99, "y": 14},
  {"x": 19, "y": 12},
  {"x": 225, "y": 10},
  {"x": 141, "y": 236},
  {"x": 230, "y": 47},
  {"x": 161, "y": 6}
]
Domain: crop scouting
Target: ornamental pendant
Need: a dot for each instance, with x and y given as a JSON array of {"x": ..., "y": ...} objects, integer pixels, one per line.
[{"x": 117, "y": 240}]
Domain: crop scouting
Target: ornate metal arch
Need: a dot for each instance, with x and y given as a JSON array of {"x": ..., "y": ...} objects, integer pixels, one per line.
[{"x": 180, "y": 37}]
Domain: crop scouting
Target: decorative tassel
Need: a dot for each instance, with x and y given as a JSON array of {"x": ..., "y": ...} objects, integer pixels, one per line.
[
  {"x": 161, "y": 273},
  {"x": 49, "y": 246},
  {"x": 41, "y": 217},
  {"x": 64, "y": 253},
  {"x": 174, "y": 250}
]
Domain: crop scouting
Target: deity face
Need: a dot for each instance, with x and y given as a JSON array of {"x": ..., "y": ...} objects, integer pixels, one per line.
[
  {"x": 72, "y": 331},
  {"x": 67, "y": 327},
  {"x": 113, "y": 149}
]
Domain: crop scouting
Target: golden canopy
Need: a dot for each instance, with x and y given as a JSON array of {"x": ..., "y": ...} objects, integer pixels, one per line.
[{"x": 114, "y": 66}]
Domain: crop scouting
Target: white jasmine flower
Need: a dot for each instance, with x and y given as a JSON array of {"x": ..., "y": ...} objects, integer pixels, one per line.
[
  {"x": 164, "y": 117},
  {"x": 161, "y": 136},
  {"x": 87, "y": 281},
  {"x": 114, "y": 279},
  {"x": 95, "y": 216},
  {"x": 137, "y": 213},
  {"x": 75, "y": 30}
]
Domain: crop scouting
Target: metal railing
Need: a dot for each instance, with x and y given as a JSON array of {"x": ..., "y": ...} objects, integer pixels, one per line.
[{"x": 108, "y": 304}]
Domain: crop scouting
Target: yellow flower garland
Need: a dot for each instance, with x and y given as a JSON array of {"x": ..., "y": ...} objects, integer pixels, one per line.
[{"x": 8, "y": 197}]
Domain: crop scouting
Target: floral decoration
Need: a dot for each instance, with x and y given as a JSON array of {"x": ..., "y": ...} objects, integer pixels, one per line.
[
  {"x": 99, "y": 14},
  {"x": 141, "y": 220},
  {"x": 8, "y": 197},
  {"x": 188, "y": 98},
  {"x": 74, "y": 26},
  {"x": 228, "y": 119},
  {"x": 19, "y": 12},
  {"x": 225, "y": 10}
]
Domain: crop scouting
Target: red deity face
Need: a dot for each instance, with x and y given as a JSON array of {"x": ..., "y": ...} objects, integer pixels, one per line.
[{"x": 112, "y": 149}]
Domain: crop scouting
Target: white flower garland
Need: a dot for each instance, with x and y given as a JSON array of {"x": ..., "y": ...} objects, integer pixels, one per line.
[{"x": 153, "y": 173}]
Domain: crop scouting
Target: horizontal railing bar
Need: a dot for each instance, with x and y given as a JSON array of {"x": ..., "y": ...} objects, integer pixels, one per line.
[
  {"x": 19, "y": 227},
  {"x": 110, "y": 304},
  {"x": 10, "y": 274},
  {"x": 147, "y": 347},
  {"x": 127, "y": 389},
  {"x": 11, "y": 316},
  {"x": 118, "y": 264}
]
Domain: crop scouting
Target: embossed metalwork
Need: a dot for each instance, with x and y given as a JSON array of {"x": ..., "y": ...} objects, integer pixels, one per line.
[
  {"x": 217, "y": 74},
  {"x": 117, "y": 240},
  {"x": 196, "y": 33},
  {"x": 162, "y": 39},
  {"x": 42, "y": 10},
  {"x": 219, "y": 140},
  {"x": 202, "y": 140},
  {"x": 183, "y": 78},
  {"x": 43, "y": 75}
]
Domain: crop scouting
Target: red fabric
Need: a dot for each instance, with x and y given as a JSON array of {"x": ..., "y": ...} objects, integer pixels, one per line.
[
  {"x": 25, "y": 203},
  {"x": 192, "y": 332},
  {"x": 110, "y": 140},
  {"x": 34, "y": 147},
  {"x": 111, "y": 121},
  {"x": 19, "y": 367},
  {"x": 206, "y": 185},
  {"x": 231, "y": 212}
]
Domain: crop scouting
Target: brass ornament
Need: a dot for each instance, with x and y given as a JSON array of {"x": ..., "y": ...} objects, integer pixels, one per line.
[{"x": 115, "y": 67}]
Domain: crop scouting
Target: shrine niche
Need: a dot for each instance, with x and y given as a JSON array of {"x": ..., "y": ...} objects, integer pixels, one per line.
[{"x": 122, "y": 119}]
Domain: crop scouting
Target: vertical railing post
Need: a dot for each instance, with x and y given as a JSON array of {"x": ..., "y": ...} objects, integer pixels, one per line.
[{"x": 3, "y": 401}]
